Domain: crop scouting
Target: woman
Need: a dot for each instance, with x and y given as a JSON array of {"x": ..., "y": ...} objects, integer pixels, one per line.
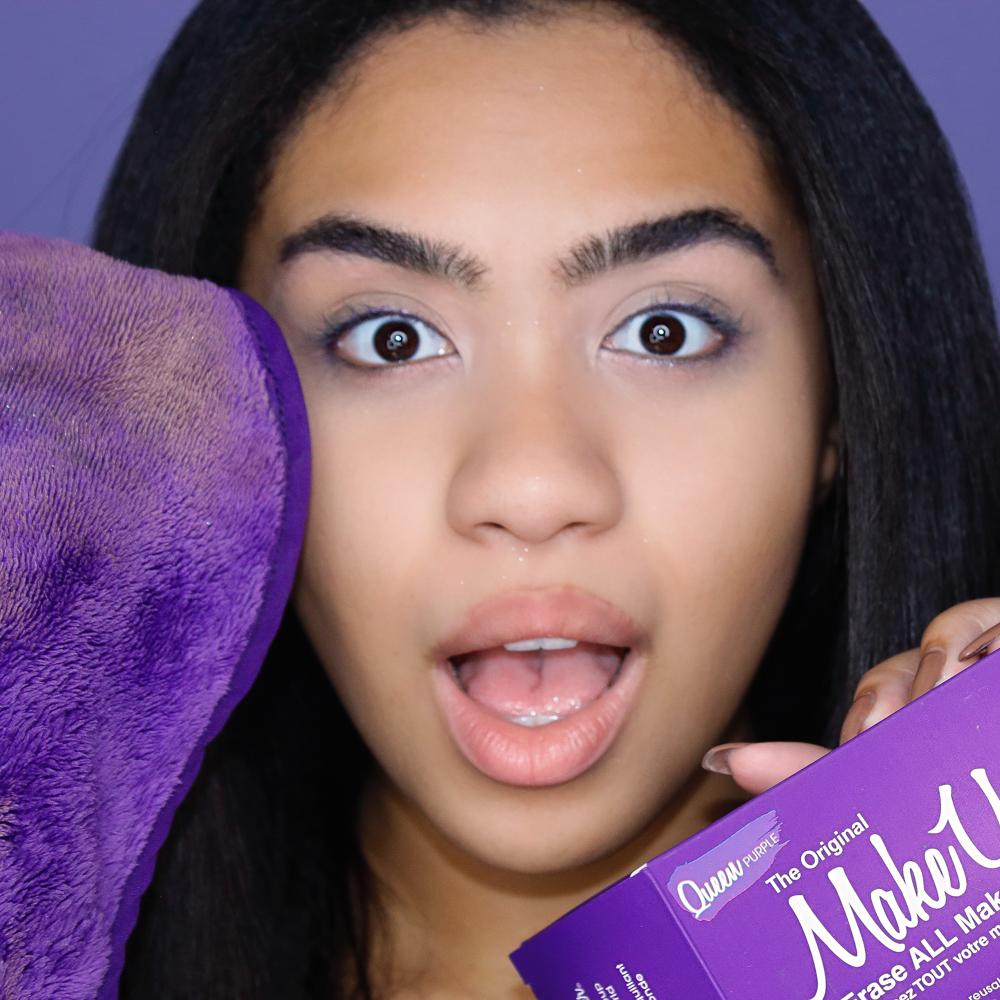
[{"x": 710, "y": 366}]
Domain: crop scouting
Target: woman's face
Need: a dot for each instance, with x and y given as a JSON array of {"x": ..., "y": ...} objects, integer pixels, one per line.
[{"x": 646, "y": 422}]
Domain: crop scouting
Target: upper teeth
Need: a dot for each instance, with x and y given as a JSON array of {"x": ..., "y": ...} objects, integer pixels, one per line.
[{"x": 545, "y": 642}]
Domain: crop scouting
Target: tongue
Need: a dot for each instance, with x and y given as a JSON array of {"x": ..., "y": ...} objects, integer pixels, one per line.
[{"x": 552, "y": 682}]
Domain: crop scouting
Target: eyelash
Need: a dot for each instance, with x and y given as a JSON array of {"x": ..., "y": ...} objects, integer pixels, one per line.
[{"x": 336, "y": 329}]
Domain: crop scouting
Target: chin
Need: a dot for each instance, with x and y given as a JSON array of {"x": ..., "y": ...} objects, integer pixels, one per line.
[
  {"x": 551, "y": 854},
  {"x": 536, "y": 838}
]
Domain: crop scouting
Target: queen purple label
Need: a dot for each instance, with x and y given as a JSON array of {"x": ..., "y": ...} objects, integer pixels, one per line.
[{"x": 704, "y": 886}]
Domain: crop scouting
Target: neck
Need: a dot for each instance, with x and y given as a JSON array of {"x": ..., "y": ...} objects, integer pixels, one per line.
[{"x": 449, "y": 920}]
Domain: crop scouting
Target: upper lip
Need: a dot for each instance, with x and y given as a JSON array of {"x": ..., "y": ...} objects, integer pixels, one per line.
[{"x": 566, "y": 611}]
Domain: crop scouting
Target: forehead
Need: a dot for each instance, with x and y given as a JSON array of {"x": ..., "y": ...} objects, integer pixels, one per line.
[{"x": 565, "y": 125}]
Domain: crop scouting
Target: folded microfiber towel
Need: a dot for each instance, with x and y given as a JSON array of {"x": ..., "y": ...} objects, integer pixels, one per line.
[{"x": 154, "y": 478}]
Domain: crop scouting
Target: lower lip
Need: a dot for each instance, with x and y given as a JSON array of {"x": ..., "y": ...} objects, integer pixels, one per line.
[{"x": 537, "y": 755}]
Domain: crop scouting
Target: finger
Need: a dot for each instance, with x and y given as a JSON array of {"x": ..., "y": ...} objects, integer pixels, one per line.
[
  {"x": 981, "y": 645},
  {"x": 898, "y": 680},
  {"x": 880, "y": 692},
  {"x": 756, "y": 767},
  {"x": 954, "y": 639}
]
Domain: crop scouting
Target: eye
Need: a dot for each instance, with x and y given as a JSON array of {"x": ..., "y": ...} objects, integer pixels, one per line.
[
  {"x": 382, "y": 338},
  {"x": 668, "y": 332}
]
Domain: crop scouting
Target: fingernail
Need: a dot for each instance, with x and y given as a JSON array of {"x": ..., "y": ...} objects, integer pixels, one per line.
[
  {"x": 932, "y": 665},
  {"x": 981, "y": 643},
  {"x": 857, "y": 714},
  {"x": 717, "y": 758}
]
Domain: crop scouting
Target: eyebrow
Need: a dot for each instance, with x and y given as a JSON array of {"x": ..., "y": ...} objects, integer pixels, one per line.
[{"x": 585, "y": 259}]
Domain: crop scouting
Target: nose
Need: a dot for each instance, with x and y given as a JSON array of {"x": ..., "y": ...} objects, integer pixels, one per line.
[{"x": 536, "y": 462}]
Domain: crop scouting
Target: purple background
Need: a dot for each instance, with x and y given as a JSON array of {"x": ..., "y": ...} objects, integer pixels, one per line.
[{"x": 71, "y": 72}]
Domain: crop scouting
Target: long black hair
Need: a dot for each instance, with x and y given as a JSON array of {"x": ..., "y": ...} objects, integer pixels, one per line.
[{"x": 260, "y": 890}]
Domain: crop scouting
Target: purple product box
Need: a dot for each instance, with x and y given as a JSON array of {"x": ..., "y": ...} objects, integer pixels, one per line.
[{"x": 871, "y": 874}]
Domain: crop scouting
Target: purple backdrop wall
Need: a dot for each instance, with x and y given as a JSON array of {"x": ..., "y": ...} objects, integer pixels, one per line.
[{"x": 71, "y": 72}]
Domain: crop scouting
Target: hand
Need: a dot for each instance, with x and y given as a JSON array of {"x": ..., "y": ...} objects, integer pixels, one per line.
[{"x": 952, "y": 641}]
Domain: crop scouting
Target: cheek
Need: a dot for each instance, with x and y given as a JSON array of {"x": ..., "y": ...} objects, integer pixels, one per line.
[
  {"x": 739, "y": 494},
  {"x": 365, "y": 562},
  {"x": 722, "y": 502}
]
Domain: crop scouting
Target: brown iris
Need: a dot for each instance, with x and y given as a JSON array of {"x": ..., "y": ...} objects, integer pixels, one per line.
[
  {"x": 662, "y": 334},
  {"x": 396, "y": 340}
]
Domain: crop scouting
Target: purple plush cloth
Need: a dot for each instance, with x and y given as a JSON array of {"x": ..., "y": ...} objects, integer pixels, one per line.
[{"x": 154, "y": 477}]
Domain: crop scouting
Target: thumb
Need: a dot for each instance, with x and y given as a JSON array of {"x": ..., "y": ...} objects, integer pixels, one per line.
[{"x": 755, "y": 767}]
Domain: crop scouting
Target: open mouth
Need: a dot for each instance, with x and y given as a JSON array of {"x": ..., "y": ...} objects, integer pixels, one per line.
[{"x": 537, "y": 687}]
